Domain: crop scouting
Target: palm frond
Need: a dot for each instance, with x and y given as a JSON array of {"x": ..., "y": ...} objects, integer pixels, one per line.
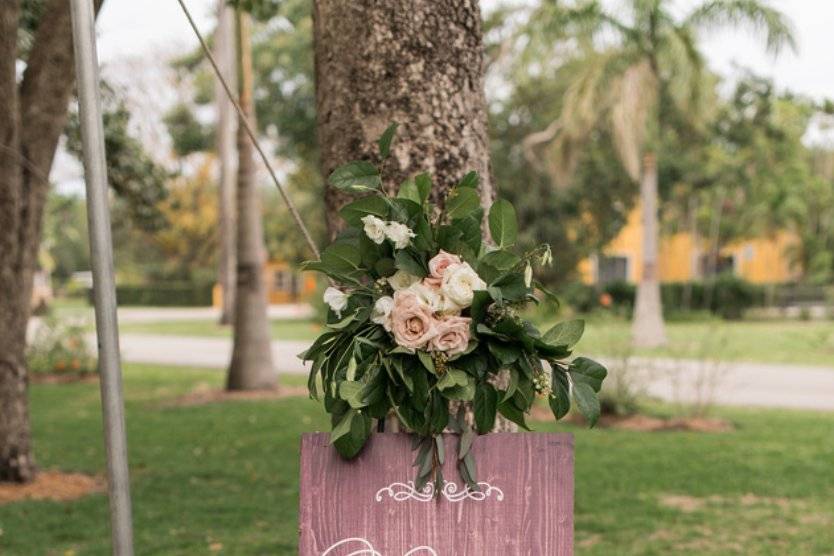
[
  {"x": 758, "y": 14},
  {"x": 633, "y": 100}
]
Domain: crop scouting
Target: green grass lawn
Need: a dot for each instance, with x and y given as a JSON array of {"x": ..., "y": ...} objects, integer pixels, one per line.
[
  {"x": 783, "y": 341},
  {"x": 223, "y": 478}
]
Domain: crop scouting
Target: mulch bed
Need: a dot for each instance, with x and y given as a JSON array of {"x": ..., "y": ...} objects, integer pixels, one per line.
[
  {"x": 62, "y": 378},
  {"x": 52, "y": 485}
]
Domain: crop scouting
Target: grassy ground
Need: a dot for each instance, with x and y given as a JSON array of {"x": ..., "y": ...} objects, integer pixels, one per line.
[
  {"x": 223, "y": 478},
  {"x": 783, "y": 341}
]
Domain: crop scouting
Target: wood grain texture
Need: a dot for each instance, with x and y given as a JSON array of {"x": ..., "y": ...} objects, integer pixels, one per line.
[{"x": 534, "y": 472}]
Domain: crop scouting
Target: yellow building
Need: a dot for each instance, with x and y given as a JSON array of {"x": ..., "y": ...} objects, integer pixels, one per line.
[
  {"x": 760, "y": 260},
  {"x": 284, "y": 284}
]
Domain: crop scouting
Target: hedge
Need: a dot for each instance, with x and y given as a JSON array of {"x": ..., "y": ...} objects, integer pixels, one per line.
[
  {"x": 730, "y": 296},
  {"x": 166, "y": 294}
]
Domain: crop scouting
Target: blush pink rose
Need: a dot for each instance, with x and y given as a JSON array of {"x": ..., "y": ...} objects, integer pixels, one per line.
[
  {"x": 432, "y": 282},
  {"x": 412, "y": 322},
  {"x": 440, "y": 262},
  {"x": 452, "y": 335}
]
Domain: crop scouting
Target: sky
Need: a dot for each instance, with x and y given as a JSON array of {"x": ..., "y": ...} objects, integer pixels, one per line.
[{"x": 128, "y": 29}]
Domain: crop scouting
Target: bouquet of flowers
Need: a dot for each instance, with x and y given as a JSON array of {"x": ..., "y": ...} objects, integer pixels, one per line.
[{"x": 424, "y": 322}]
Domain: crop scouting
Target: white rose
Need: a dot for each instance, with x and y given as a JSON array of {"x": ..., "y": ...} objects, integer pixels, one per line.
[
  {"x": 374, "y": 228},
  {"x": 399, "y": 234},
  {"x": 459, "y": 284},
  {"x": 402, "y": 280},
  {"x": 428, "y": 295},
  {"x": 337, "y": 300},
  {"x": 381, "y": 313}
]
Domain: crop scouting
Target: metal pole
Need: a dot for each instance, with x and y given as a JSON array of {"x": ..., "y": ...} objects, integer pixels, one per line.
[{"x": 104, "y": 287}]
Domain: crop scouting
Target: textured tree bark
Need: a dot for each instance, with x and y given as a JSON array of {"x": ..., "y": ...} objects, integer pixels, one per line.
[
  {"x": 224, "y": 53},
  {"x": 415, "y": 62},
  {"x": 32, "y": 117},
  {"x": 419, "y": 63},
  {"x": 251, "y": 367},
  {"x": 647, "y": 327}
]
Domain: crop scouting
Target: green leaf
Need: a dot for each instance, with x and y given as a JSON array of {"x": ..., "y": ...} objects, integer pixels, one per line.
[
  {"x": 566, "y": 333},
  {"x": 385, "y": 139},
  {"x": 349, "y": 390},
  {"x": 503, "y": 224},
  {"x": 407, "y": 262},
  {"x": 510, "y": 411},
  {"x": 342, "y": 258},
  {"x": 385, "y": 267},
  {"x": 452, "y": 378},
  {"x": 427, "y": 361},
  {"x": 423, "y": 183},
  {"x": 462, "y": 202},
  {"x": 466, "y": 440},
  {"x": 360, "y": 208},
  {"x": 343, "y": 427},
  {"x": 586, "y": 371},
  {"x": 470, "y": 180},
  {"x": 485, "y": 407},
  {"x": 357, "y": 176},
  {"x": 500, "y": 259},
  {"x": 587, "y": 401},
  {"x": 560, "y": 398},
  {"x": 408, "y": 190}
]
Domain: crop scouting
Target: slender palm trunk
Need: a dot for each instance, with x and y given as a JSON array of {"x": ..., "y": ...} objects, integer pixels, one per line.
[
  {"x": 225, "y": 53},
  {"x": 251, "y": 367},
  {"x": 647, "y": 328}
]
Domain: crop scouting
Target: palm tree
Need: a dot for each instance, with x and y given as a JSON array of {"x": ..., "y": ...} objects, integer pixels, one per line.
[
  {"x": 224, "y": 47},
  {"x": 639, "y": 73},
  {"x": 251, "y": 367}
]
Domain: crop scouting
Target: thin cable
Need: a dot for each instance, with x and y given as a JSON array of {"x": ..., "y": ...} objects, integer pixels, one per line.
[{"x": 245, "y": 121}]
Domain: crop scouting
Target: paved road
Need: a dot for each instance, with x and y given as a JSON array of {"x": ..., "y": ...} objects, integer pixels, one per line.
[{"x": 737, "y": 384}]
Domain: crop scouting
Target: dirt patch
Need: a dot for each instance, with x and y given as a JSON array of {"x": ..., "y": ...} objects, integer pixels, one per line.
[
  {"x": 203, "y": 395},
  {"x": 652, "y": 424},
  {"x": 643, "y": 423},
  {"x": 686, "y": 504},
  {"x": 62, "y": 378},
  {"x": 52, "y": 485}
]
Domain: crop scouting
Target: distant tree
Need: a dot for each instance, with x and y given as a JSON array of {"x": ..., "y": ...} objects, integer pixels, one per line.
[
  {"x": 642, "y": 74},
  {"x": 251, "y": 366}
]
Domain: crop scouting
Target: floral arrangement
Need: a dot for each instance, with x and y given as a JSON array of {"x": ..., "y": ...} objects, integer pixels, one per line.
[{"x": 424, "y": 322}]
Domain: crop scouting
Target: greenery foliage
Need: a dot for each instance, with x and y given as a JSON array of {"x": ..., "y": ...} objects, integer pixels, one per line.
[
  {"x": 369, "y": 365},
  {"x": 60, "y": 347},
  {"x": 164, "y": 294}
]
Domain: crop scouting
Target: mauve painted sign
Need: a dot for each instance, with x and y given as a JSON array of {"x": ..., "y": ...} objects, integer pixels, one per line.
[{"x": 368, "y": 506}]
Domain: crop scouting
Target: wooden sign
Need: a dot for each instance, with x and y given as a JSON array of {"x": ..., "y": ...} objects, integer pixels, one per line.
[{"x": 369, "y": 507}]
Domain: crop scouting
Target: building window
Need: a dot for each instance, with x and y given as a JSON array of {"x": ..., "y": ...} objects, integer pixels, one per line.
[
  {"x": 281, "y": 281},
  {"x": 612, "y": 269},
  {"x": 713, "y": 266}
]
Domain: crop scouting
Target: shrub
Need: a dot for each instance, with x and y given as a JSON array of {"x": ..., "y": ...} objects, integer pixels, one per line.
[
  {"x": 726, "y": 296},
  {"x": 59, "y": 347},
  {"x": 165, "y": 294}
]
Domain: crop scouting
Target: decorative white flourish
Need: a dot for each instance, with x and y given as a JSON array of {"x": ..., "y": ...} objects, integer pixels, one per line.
[
  {"x": 367, "y": 549},
  {"x": 450, "y": 491}
]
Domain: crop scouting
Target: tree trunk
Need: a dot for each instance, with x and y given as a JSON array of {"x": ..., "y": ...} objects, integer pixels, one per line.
[
  {"x": 251, "y": 367},
  {"x": 32, "y": 117},
  {"x": 415, "y": 62},
  {"x": 225, "y": 54},
  {"x": 647, "y": 328},
  {"x": 419, "y": 63}
]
